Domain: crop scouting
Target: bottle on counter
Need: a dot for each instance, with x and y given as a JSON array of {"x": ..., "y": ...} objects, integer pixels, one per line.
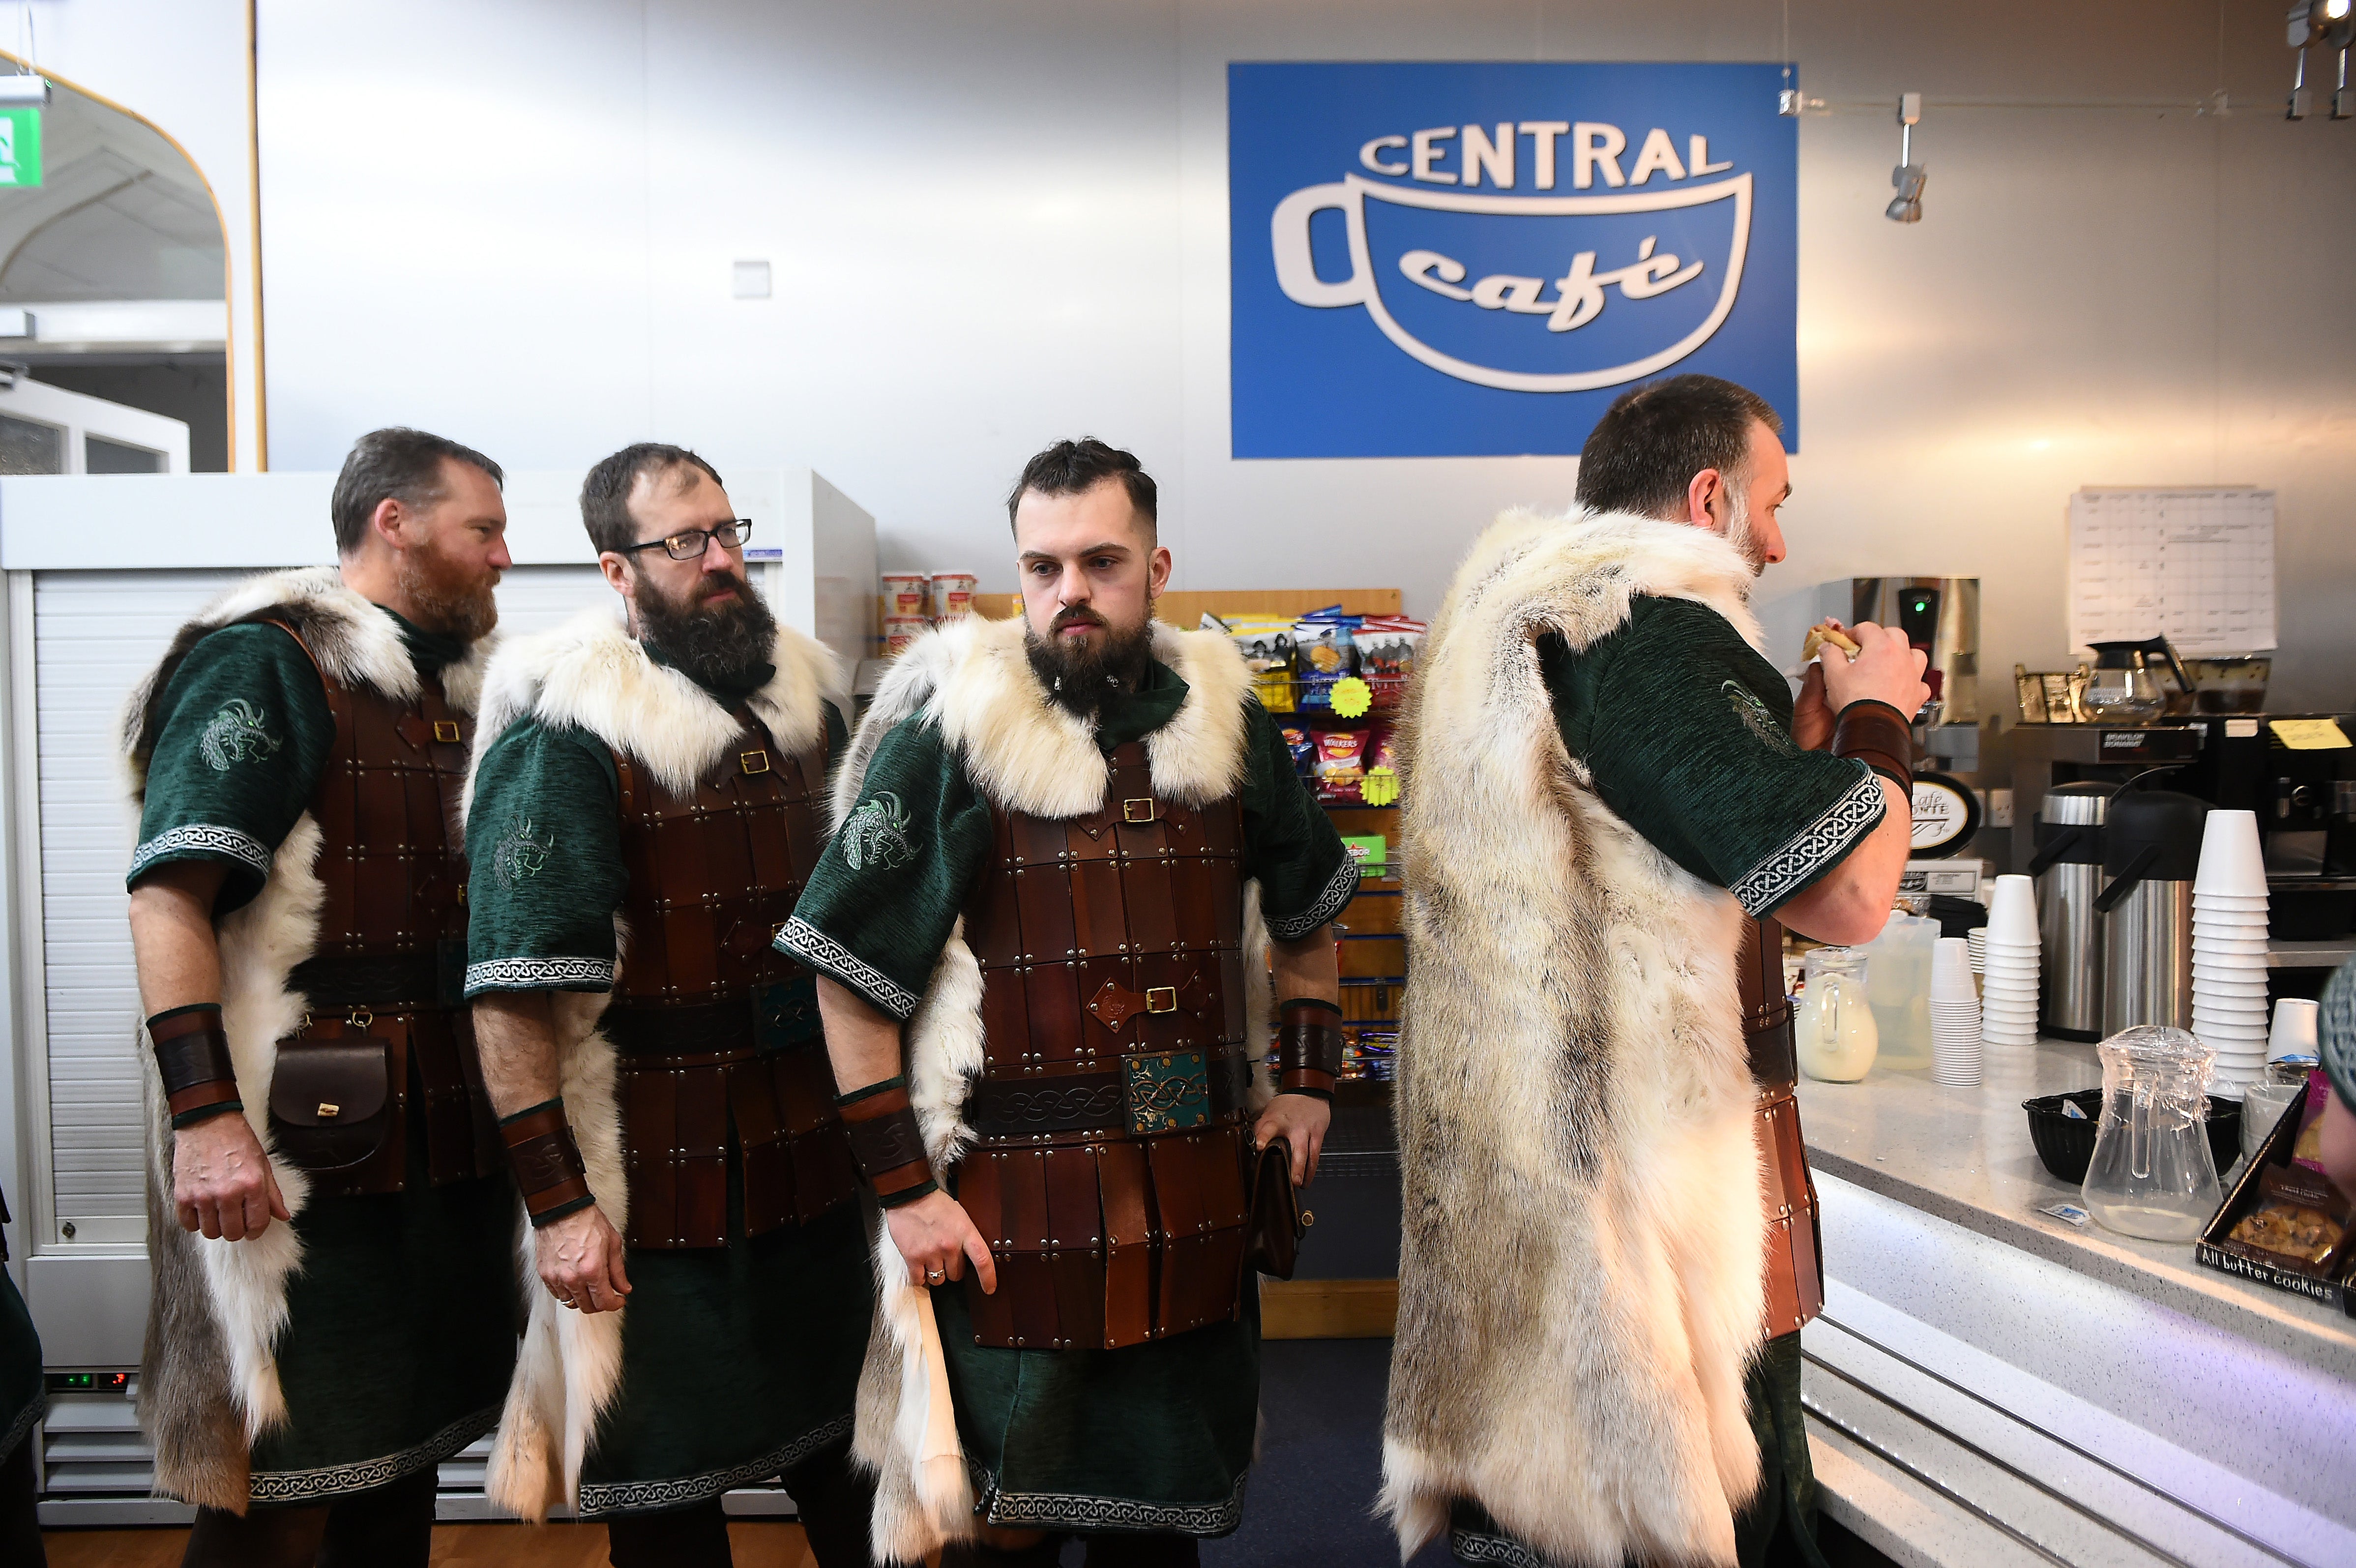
[
  {"x": 1835, "y": 1030},
  {"x": 1900, "y": 988}
]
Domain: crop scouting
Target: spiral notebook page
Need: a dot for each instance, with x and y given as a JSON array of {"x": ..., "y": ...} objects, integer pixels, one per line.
[{"x": 2194, "y": 566}]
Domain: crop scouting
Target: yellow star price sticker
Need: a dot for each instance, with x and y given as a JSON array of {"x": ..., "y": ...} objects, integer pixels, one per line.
[
  {"x": 1379, "y": 788},
  {"x": 1352, "y": 697}
]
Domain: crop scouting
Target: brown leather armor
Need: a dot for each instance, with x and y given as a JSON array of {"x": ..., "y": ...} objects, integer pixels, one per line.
[
  {"x": 393, "y": 932},
  {"x": 1110, "y": 1175},
  {"x": 1796, "y": 1270},
  {"x": 716, "y": 1031}
]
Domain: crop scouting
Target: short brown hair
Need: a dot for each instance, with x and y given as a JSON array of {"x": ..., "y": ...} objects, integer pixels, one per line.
[
  {"x": 1650, "y": 442},
  {"x": 1075, "y": 467},
  {"x": 606, "y": 493},
  {"x": 394, "y": 464}
]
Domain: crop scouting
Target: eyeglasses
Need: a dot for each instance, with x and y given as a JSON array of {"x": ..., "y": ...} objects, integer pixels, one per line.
[{"x": 691, "y": 544}]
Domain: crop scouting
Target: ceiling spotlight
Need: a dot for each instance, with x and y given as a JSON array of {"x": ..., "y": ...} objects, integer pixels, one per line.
[
  {"x": 1908, "y": 177},
  {"x": 2333, "y": 23}
]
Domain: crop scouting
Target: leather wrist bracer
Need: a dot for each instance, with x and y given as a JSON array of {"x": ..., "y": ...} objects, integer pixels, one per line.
[
  {"x": 547, "y": 1162},
  {"x": 1877, "y": 735},
  {"x": 192, "y": 1057},
  {"x": 887, "y": 1142},
  {"x": 1308, "y": 1047}
]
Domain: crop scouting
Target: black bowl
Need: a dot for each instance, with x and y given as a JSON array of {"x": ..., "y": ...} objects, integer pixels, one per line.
[{"x": 2066, "y": 1143}]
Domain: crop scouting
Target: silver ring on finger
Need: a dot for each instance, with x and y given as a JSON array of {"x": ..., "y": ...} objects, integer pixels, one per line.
[{"x": 935, "y": 1276}]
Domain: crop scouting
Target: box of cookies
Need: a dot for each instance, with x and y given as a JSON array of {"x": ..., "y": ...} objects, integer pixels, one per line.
[{"x": 2285, "y": 1224}]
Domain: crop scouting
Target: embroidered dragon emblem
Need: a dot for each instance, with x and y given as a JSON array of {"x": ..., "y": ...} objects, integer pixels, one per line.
[
  {"x": 237, "y": 734},
  {"x": 1755, "y": 717},
  {"x": 520, "y": 856},
  {"x": 877, "y": 833}
]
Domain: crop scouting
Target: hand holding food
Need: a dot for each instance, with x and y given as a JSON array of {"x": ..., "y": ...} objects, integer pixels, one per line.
[{"x": 1828, "y": 633}]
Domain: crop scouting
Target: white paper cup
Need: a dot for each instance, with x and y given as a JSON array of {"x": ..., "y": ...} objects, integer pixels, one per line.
[
  {"x": 2293, "y": 1034},
  {"x": 2012, "y": 910},
  {"x": 2230, "y": 861},
  {"x": 2234, "y": 903}
]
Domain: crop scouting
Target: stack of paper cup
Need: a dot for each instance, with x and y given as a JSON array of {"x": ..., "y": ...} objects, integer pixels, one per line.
[
  {"x": 1954, "y": 1013},
  {"x": 2009, "y": 972},
  {"x": 2229, "y": 948},
  {"x": 1977, "y": 942}
]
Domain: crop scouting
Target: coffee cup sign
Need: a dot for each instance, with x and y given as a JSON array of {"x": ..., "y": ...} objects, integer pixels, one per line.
[{"x": 1436, "y": 260}]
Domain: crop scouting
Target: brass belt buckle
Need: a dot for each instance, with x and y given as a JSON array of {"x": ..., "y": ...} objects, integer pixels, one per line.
[
  {"x": 1139, "y": 810},
  {"x": 1162, "y": 999},
  {"x": 446, "y": 731},
  {"x": 752, "y": 762}
]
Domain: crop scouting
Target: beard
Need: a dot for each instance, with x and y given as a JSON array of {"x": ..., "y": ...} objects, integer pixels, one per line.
[
  {"x": 711, "y": 643},
  {"x": 1740, "y": 533},
  {"x": 447, "y": 596},
  {"x": 1079, "y": 675}
]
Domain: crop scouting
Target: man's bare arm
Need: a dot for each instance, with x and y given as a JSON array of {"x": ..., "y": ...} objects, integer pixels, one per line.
[
  {"x": 221, "y": 1183},
  {"x": 1850, "y": 903},
  {"x": 1306, "y": 970},
  {"x": 933, "y": 1233},
  {"x": 577, "y": 1255}
]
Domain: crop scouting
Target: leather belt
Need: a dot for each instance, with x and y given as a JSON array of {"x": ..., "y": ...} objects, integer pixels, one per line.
[
  {"x": 408, "y": 982},
  {"x": 1084, "y": 1102}
]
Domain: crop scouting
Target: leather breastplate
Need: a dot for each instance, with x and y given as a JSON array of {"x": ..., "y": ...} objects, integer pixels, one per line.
[
  {"x": 717, "y": 1032},
  {"x": 1110, "y": 1172},
  {"x": 393, "y": 932},
  {"x": 1795, "y": 1271}
]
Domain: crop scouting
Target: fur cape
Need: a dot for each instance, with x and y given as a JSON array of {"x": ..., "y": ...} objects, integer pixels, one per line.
[
  {"x": 591, "y": 674},
  {"x": 1581, "y": 1279},
  {"x": 208, "y": 1378},
  {"x": 1025, "y": 753}
]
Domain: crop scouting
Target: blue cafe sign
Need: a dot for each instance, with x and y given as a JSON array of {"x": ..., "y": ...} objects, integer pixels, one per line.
[{"x": 1475, "y": 259}]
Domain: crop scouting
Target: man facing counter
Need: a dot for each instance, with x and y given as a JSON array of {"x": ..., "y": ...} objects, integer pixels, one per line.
[{"x": 1611, "y": 801}]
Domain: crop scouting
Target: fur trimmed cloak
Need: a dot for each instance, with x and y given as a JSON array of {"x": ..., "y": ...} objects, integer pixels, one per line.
[
  {"x": 1581, "y": 1281},
  {"x": 209, "y": 1375},
  {"x": 591, "y": 674},
  {"x": 973, "y": 680}
]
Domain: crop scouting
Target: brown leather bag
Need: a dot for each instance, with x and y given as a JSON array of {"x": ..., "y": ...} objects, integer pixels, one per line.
[
  {"x": 330, "y": 1105},
  {"x": 1272, "y": 1232}
]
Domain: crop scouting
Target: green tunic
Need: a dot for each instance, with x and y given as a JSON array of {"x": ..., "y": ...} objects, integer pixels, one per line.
[
  {"x": 1687, "y": 733},
  {"x": 737, "y": 1361},
  {"x": 2336, "y": 1032},
  {"x": 400, "y": 1325},
  {"x": 1150, "y": 1437}
]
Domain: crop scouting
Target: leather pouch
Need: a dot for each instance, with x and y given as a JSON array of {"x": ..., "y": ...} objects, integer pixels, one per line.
[
  {"x": 330, "y": 1101},
  {"x": 1273, "y": 1230}
]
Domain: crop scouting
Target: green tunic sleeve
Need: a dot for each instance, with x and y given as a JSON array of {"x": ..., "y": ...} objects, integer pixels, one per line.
[
  {"x": 2336, "y": 1032},
  {"x": 887, "y": 890},
  {"x": 242, "y": 739},
  {"x": 544, "y": 857},
  {"x": 1687, "y": 733},
  {"x": 1306, "y": 877}
]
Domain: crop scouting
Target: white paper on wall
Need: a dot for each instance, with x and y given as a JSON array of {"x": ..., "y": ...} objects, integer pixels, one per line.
[{"x": 2195, "y": 565}]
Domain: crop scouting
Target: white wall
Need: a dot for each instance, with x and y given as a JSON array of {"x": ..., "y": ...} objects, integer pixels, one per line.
[{"x": 997, "y": 222}]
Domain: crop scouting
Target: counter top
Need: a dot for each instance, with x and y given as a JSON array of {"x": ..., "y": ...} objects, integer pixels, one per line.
[{"x": 1964, "y": 1155}]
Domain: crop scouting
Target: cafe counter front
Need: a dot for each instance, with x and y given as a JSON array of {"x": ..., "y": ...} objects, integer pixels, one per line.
[{"x": 1993, "y": 1383}]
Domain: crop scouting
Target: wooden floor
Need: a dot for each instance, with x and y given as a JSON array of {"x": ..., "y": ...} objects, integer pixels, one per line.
[{"x": 757, "y": 1544}]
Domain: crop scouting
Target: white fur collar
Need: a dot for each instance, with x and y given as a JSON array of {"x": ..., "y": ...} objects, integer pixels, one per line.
[
  {"x": 973, "y": 678},
  {"x": 591, "y": 673},
  {"x": 357, "y": 644}
]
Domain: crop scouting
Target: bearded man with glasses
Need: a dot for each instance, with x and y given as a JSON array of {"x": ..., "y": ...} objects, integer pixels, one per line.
[{"x": 644, "y": 810}]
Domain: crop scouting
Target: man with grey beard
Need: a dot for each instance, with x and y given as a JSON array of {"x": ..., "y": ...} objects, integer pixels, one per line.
[
  {"x": 330, "y": 1231},
  {"x": 645, "y": 807}
]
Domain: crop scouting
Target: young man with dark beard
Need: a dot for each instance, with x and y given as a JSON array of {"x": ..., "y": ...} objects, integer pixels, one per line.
[
  {"x": 1068, "y": 847},
  {"x": 329, "y": 1223},
  {"x": 646, "y": 802},
  {"x": 1612, "y": 800}
]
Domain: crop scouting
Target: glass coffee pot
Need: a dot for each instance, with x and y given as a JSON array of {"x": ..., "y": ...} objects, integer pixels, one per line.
[
  {"x": 2122, "y": 689},
  {"x": 2152, "y": 1175}
]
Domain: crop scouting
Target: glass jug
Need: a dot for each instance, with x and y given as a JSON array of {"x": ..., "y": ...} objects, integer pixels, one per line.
[
  {"x": 2152, "y": 1175},
  {"x": 1834, "y": 1028},
  {"x": 1901, "y": 990}
]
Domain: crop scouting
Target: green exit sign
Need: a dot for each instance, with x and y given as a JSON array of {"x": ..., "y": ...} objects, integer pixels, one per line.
[{"x": 20, "y": 147}]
